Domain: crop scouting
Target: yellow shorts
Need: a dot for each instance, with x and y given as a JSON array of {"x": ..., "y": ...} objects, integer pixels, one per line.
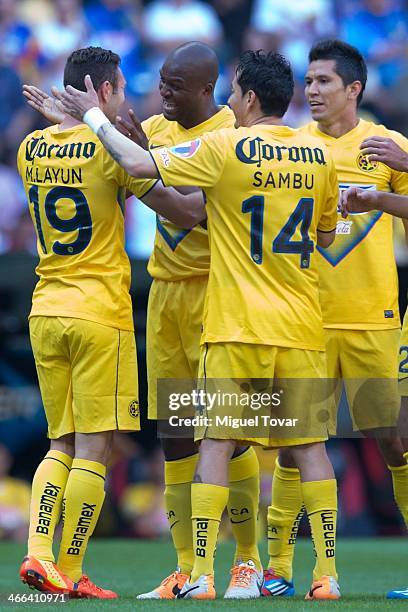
[
  {"x": 403, "y": 360},
  {"x": 87, "y": 374},
  {"x": 174, "y": 322},
  {"x": 366, "y": 360},
  {"x": 284, "y": 387}
]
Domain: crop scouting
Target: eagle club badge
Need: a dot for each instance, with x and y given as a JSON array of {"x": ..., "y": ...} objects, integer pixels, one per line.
[{"x": 365, "y": 164}]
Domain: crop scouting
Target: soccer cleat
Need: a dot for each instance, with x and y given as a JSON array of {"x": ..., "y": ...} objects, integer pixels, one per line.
[
  {"x": 325, "y": 588},
  {"x": 44, "y": 576},
  {"x": 245, "y": 582},
  {"x": 86, "y": 589},
  {"x": 276, "y": 586},
  {"x": 402, "y": 594},
  {"x": 202, "y": 588},
  {"x": 169, "y": 588}
]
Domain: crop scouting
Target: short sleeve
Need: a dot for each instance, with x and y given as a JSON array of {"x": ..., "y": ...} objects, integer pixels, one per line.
[
  {"x": 328, "y": 218},
  {"x": 199, "y": 162},
  {"x": 399, "y": 180}
]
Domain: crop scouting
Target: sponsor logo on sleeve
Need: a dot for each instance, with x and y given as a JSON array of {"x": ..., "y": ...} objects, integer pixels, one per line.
[{"x": 186, "y": 149}]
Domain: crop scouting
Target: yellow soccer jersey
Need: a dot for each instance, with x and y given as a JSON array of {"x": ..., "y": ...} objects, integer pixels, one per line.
[
  {"x": 180, "y": 253},
  {"x": 359, "y": 285},
  {"x": 76, "y": 196},
  {"x": 268, "y": 190}
]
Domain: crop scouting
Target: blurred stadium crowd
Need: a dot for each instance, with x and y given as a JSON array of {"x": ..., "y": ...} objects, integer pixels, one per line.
[{"x": 36, "y": 36}]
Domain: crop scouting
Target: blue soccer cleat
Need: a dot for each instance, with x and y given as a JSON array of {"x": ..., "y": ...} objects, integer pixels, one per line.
[
  {"x": 276, "y": 586},
  {"x": 402, "y": 594}
]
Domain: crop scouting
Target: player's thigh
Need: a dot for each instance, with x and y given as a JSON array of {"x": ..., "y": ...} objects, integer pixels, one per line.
[
  {"x": 369, "y": 364},
  {"x": 104, "y": 378},
  {"x": 165, "y": 357},
  {"x": 51, "y": 355},
  {"x": 302, "y": 416},
  {"x": 233, "y": 376}
]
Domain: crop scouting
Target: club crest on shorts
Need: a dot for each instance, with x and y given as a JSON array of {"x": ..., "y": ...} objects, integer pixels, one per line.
[
  {"x": 365, "y": 164},
  {"x": 186, "y": 149},
  {"x": 134, "y": 409}
]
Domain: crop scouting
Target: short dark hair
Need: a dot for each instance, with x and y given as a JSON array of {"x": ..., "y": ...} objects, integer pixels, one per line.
[
  {"x": 101, "y": 65},
  {"x": 270, "y": 76},
  {"x": 350, "y": 64}
]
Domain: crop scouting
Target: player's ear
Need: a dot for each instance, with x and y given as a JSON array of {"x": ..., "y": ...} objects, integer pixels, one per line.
[
  {"x": 251, "y": 99},
  {"x": 209, "y": 89},
  {"x": 105, "y": 91},
  {"x": 354, "y": 90}
]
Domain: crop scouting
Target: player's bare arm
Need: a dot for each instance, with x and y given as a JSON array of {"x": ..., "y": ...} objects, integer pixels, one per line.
[
  {"x": 84, "y": 106},
  {"x": 356, "y": 200},
  {"x": 385, "y": 150},
  {"x": 185, "y": 211},
  {"x": 325, "y": 239},
  {"x": 50, "y": 107}
]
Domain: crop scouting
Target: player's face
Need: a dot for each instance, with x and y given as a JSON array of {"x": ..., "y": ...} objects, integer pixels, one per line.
[
  {"x": 117, "y": 97},
  {"x": 178, "y": 92},
  {"x": 236, "y": 103},
  {"x": 324, "y": 90}
]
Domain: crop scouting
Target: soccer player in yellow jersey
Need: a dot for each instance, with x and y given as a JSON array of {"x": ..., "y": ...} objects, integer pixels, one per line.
[
  {"x": 179, "y": 266},
  {"x": 271, "y": 196},
  {"x": 359, "y": 294},
  {"x": 81, "y": 324}
]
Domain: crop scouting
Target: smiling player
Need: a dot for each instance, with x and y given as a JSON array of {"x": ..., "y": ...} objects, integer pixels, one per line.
[{"x": 359, "y": 294}]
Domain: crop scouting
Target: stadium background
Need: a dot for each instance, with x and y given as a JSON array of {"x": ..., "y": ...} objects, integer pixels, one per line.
[{"x": 35, "y": 38}]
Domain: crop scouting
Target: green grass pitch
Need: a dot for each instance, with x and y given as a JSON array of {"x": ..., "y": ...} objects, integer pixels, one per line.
[{"x": 368, "y": 568}]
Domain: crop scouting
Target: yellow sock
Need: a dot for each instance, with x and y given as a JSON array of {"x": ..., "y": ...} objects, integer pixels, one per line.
[
  {"x": 400, "y": 485},
  {"x": 47, "y": 492},
  {"x": 83, "y": 500},
  {"x": 243, "y": 505},
  {"x": 207, "y": 503},
  {"x": 177, "y": 498},
  {"x": 320, "y": 499},
  {"x": 284, "y": 516}
]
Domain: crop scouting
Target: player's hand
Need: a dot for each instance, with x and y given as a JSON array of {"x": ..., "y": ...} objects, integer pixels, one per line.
[
  {"x": 357, "y": 200},
  {"x": 133, "y": 130},
  {"x": 75, "y": 102},
  {"x": 44, "y": 104},
  {"x": 385, "y": 150}
]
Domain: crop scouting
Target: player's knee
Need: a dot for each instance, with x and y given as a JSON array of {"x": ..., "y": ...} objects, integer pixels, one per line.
[
  {"x": 392, "y": 450},
  {"x": 94, "y": 446},
  {"x": 178, "y": 448},
  {"x": 286, "y": 458},
  {"x": 65, "y": 444}
]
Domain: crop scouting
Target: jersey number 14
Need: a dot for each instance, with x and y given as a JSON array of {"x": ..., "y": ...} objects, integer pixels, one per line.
[{"x": 283, "y": 243}]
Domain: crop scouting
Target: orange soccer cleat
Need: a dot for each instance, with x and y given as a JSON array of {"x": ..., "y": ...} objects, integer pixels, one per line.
[
  {"x": 325, "y": 588},
  {"x": 169, "y": 588},
  {"x": 85, "y": 588},
  {"x": 44, "y": 576}
]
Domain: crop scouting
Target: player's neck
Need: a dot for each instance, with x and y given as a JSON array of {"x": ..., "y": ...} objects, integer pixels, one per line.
[
  {"x": 69, "y": 122},
  {"x": 201, "y": 116},
  {"x": 339, "y": 126},
  {"x": 263, "y": 120}
]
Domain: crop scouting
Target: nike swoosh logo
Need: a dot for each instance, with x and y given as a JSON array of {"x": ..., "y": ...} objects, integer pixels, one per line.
[
  {"x": 153, "y": 146},
  {"x": 176, "y": 590},
  {"x": 181, "y": 595},
  {"x": 239, "y": 522},
  {"x": 175, "y": 523}
]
